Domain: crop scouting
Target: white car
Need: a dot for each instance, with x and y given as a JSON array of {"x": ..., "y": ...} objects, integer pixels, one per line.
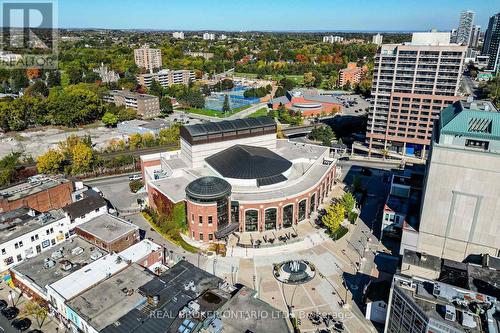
[{"x": 134, "y": 177}]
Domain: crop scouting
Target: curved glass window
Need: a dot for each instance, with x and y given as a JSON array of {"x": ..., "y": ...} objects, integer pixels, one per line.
[
  {"x": 302, "y": 209},
  {"x": 270, "y": 217},
  {"x": 251, "y": 220},
  {"x": 288, "y": 216}
]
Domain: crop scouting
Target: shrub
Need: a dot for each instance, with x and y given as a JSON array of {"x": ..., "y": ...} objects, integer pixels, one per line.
[{"x": 135, "y": 185}]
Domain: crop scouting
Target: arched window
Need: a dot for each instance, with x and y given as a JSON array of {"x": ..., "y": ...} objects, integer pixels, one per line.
[
  {"x": 270, "y": 217},
  {"x": 302, "y": 209},
  {"x": 312, "y": 205},
  {"x": 251, "y": 220},
  {"x": 288, "y": 216}
]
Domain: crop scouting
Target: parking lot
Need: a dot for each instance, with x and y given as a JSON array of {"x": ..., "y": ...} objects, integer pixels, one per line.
[{"x": 354, "y": 105}]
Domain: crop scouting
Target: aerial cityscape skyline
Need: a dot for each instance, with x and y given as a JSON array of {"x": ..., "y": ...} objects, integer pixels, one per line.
[{"x": 250, "y": 166}]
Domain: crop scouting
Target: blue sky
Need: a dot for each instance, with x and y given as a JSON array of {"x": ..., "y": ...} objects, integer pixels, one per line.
[{"x": 367, "y": 15}]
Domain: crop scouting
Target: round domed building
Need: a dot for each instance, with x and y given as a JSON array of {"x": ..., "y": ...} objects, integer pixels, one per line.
[{"x": 236, "y": 176}]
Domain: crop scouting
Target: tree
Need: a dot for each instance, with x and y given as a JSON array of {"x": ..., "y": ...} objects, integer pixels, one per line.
[
  {"x": 109, "y": 119},
  {"x": 334, "y": 216},
  {"x": 135, "y": 141},
  {"x": 166, "y": 107},
  {"x": 18, "y": 80},
  {"x": 53, "y": 78},
  {"x": 364, "y": 87},
  {"x": 324, "y": 134},
  {"x": 148, "y": 139},
  {"x": 332, "y": 81},
  {"x": 8, "y": 166},
  {"x": 135, "y": 185},
  {"x": 226, "y": 107},
  {"x": 83, "y": 157},
  {"x": 309, "y": 79},
  {"x": 67, "y": 146},
  {"x": 156, "y": 89},
  {"x": 169, "y": 135},
  {"x": 348, "y": 201},
  {"x": 37, "y": 89},
  {"x": 36, "y": 310},
  {"x": 287, "y": 84},
  {"x": 50, "y": 162},
  {"x": 279, "y": 92}
]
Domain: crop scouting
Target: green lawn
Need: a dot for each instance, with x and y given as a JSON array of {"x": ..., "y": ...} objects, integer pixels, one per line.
[
  {"x": 297, "y": 78},
  {"x": 259, "y": 113},
  {"x": 214, "y": 113}
]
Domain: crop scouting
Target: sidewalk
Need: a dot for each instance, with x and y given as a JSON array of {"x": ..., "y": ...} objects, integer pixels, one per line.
[{"x": 49, "y": 324}]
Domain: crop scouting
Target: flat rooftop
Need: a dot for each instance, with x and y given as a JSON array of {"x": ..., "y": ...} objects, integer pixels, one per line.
[
  {"x": 243, "y": 305},
  {"x": 33, "y": 186},
  {"x": 33, "y": 269},
  {"x": 306, "y": 171},
  {"x": 175, "y": 288},
  {"x": 435, "y": 298},
  {"x": 23, "y": 224},
  {"x": 140, "y": 250},
  {"x": 107, "y": 227},
  {"x": 94, "y": 272},
  {"x": 113, "y": 298}
]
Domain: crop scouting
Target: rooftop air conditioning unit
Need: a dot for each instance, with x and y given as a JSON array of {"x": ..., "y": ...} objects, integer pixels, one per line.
[
  {"x": 77, "y": 251},
  {"x": 57, "y": 254}
]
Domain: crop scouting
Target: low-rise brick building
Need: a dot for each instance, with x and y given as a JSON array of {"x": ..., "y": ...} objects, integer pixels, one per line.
[
  {"x": 109, "y": 232},
  {"x": 41, "y": 193}
]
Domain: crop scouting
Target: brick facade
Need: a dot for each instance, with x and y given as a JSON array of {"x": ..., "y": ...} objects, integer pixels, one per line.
[
  {"x": 116, "y": 245},
  {"x": 205, "y": 232},
  {"x": 53, "y": 198}
]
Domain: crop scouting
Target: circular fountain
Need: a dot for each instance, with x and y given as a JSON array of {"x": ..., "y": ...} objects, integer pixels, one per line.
[{"x": 294, "y": 271}]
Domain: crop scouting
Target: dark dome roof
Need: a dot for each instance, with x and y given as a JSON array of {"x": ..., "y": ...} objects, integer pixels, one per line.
[
  {"x": 248, "y": 162},
  {"x": 208, "y": 188}
]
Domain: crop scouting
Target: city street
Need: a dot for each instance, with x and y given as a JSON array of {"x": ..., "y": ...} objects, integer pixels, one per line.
[{"x": 116, "y": 190}]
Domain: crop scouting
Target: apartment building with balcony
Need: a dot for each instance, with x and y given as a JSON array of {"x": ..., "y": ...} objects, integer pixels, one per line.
[
  {"x": 412, "y": 83},
  {"x": 352, "y": 74},
  {"x": 147, "y": 58},
  {"x": 167, "y": 77},
  {"x": 146, "y": 106}
]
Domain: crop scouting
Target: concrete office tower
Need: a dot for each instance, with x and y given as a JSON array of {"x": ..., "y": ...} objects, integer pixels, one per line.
[
  {"x": 491, "y": 43},
  {"x": 475, "y": 36},
  {"x": 465, "y": 27},
  {"x": 377, "y": 39},
  {"x": 461, "y": 201},
  {"x": 208, "y": 36},
  {"x": 178, "y": 35},
  {"x": 147, "y": 58},
  {"x": 412, "y": 83}
]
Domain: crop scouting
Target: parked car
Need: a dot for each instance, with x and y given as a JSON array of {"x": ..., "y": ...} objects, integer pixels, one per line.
[
  {"x": 36, "y": 330},
  {"x": 10, "y": 312},
  {"x": 134, "y": 177},
  {"x": 3, "y": 304},
  {"x": 21, "y": 324}
]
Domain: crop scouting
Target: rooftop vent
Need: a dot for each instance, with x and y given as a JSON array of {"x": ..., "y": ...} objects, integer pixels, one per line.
[
  {"x": 478, "y": 125},
  {"x": 451, "y": 313}
]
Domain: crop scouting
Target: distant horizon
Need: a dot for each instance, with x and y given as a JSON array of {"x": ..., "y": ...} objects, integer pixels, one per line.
[{"x": 272, "y": 16}]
